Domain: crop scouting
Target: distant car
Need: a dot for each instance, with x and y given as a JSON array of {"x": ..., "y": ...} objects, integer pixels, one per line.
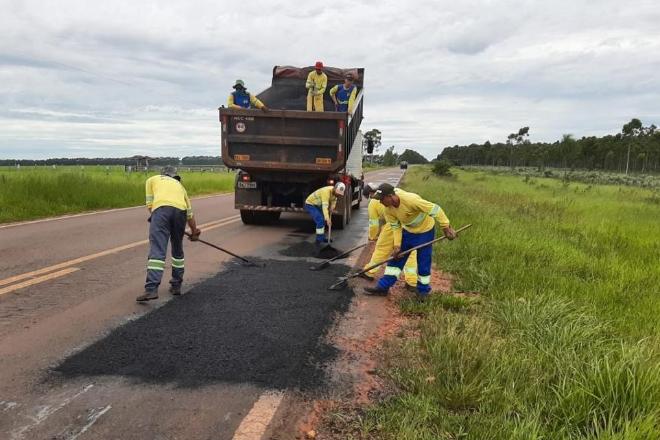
[{"x": 403, "y": 165}]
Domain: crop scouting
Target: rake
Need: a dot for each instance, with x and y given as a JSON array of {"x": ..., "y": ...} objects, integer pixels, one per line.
[{"x": 245, "y": 261}]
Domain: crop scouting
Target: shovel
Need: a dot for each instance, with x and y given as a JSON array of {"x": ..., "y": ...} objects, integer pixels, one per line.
[
  {"x": 328, "y": 251},
  {"x": 341, "y": 283},
  {"x": 326, "y": 263},
  {"x": 245, "y": 261}
]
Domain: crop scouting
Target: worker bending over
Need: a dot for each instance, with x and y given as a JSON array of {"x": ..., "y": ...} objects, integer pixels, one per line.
[
  {"x": 316, "y": 83},
  {"x": 344, "y": 95},
  {"x": 384, "y": 238},
  {"x": 170, "y": 210},
  {"x": 320, "y": 204},
  {"x": 412, "y": 220},
  {"x": 241, "y": 98}
]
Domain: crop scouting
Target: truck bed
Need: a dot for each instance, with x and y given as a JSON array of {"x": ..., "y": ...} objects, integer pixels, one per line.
[{"x": 288, "y": 138}]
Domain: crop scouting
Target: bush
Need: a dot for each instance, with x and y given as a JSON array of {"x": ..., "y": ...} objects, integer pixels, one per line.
[{"x": 442, "y": 168}]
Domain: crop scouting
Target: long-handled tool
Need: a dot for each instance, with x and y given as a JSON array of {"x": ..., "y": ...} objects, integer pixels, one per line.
[
  {"x": 326, "y": 263},
  {"x": 328, "y": 251},
  {"x": 343, "y": 280},
  {"x": 245, "y": 261}
]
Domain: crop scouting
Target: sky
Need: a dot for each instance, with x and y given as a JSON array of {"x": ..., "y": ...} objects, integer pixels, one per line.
[{"x": 119, "y": 78}]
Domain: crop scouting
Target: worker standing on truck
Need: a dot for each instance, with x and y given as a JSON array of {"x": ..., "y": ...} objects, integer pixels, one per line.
[
  {"x": 344, "y": 95},
  {"x": 241, "y": 98},
  {"x": 316, "y": 83},
  {"x": 412, "y": 220},
  {"x": 170, "y": 209},
  {"x": 320, "y": 204},
  {"x": 381, "y": 233}
]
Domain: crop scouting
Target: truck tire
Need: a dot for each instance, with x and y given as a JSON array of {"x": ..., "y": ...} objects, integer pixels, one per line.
[
  {"x": 259, "y": 217},
  {"x": 247, "y": 217}
]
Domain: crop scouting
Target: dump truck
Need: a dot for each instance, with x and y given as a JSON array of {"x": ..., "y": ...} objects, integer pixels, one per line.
[{"x": 285, "y": 154}]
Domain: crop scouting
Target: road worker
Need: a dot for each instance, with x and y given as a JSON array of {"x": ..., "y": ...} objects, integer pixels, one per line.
[
  {"x": 320, "y": 204},
  {"x": 316, "y": 83},
  {"x": 380, "y": 232},
  {"x": 344, "y": 95},
  {"x": 241, "y": 98},
  {"x": 170, "y": 209},
  {"x": 412, "y": 220}
]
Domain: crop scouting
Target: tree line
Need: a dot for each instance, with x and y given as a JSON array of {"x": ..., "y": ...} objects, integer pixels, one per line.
[
  {"x": 158, "y": 161},
  {"x": 636, "y": 149}
]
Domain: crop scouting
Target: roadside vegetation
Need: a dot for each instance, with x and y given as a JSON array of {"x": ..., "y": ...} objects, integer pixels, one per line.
[
  {"x": 559, "y": 334},
  {"x": 30, "y": 193}
]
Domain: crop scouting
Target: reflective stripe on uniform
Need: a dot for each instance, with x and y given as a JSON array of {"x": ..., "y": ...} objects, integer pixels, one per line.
[
  {"x": 156, "y": 264},
  {"x": 410, "y": 270},
  {"x": 424, "y": 279},
  {"x": 395, "y": 225},
  {"x": 150, "y": 199},
  {"x": 434, "y": 211},
  {"x": 320, "y": 231},
  {"x": 374, "y": 222},
  {"x": 393, "y": 271},
  {"x": 417, "y": 220},
  {"x": 177, "y": 263}
]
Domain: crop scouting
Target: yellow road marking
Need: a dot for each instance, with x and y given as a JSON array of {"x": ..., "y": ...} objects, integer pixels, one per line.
[
  {"x": 34, "y": 273},
  {"x": 38, "y": 280}
]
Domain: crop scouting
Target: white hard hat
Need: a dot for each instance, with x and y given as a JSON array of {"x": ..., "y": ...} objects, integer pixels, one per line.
[{"x": 340, "y": 188}]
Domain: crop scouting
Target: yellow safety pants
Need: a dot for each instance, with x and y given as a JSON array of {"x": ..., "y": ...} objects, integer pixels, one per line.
[
  {"x": 314, "y": 103},
  {"x": 383, "y": 251}
]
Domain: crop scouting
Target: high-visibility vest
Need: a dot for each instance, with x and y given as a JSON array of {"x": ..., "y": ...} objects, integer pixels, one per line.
[
  {"x": 241, "y": 99},
  {"x": 343, "y": 95}
]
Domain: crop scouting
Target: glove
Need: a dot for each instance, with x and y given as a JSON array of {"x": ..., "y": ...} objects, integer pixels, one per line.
[{"x": 194, "y": 236}]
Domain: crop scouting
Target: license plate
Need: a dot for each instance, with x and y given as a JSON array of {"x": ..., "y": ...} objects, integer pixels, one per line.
[
  {"x": 241, "y": 157},
  {"x": 323, "y": 161},
  {"x": 247, "y": 185}
]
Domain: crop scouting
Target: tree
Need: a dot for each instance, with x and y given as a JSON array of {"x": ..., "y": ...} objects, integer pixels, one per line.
[
  {"x": 375, "y": 136},
  {"x": 412, "y": 157},
  {"x": 517, "y": 139},
  {"x": 630, "y": 131},
  {"x": 389, "y": 158}
]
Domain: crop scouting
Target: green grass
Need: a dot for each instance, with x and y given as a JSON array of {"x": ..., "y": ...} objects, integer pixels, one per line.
[
  {"x": 564, "y": 340},
  {"x": 31, "y": 193}
]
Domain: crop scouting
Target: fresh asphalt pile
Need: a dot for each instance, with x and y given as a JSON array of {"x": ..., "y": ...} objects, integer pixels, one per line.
[{"x": 256, "y": 325}]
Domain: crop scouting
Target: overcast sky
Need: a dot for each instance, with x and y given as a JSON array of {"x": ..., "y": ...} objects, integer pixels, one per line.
[{"x": 117, "y": 78}]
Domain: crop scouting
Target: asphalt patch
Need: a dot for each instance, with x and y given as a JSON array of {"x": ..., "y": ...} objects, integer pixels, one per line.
[{"x": 246, "y": 325}]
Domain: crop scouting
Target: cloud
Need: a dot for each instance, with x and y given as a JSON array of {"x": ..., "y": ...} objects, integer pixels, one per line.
[{"x": 121, "y": 78}]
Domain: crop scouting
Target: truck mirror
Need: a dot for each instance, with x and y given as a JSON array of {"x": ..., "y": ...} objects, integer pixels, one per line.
[{"x": 370, "y": 146}]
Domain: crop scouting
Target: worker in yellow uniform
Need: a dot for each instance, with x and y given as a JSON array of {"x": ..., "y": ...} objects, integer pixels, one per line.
[
  {"x": 320, "y": 204},
  {"x": 316, "y": 83},
  {"x": 344, "y": 95},
  {"x": 241, "y": 98},
  {"x": 413, "y": 222},
  {"x": 384, "y": 239},
  {"x": 170, "y": 209}
]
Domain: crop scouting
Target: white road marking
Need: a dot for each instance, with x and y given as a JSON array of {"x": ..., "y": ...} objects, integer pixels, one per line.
[
  {"x": 256, "y": 422},
  {"x": 93, "y": 416},
  {"x": 45, "y": 412}
]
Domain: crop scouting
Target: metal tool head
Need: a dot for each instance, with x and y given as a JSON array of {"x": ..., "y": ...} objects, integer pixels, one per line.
[{"x": 339, "y": 285}]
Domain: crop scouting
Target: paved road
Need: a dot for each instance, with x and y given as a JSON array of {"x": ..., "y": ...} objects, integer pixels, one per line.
[{"x": 66, "y": 283}]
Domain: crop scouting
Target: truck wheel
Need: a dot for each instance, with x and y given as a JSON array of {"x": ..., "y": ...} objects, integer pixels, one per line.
[{"x": 247, "y": 217}]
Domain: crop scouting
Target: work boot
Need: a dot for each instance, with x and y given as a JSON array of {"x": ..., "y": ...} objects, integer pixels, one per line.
[
  {"x": 147, "y": 296},
  {"x": 175, "y": 290},
  {"x": 376, "y": 291},
  {"x": 366, "y": 276},
  {"x": 411, "y": 288}
]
